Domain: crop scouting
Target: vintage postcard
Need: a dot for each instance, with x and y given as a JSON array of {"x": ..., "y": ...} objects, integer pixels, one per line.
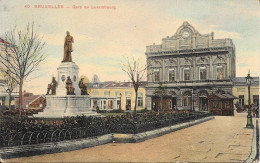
[{"x": 129, "y": 81}]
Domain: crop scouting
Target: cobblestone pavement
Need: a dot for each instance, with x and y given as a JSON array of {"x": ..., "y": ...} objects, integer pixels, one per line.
[{"x": 223, "y": 139}]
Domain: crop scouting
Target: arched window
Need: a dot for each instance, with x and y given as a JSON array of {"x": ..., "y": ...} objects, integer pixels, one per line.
[
  {"x": 171, "y": 75},
  {"x": 220, "y": 72},
  {"x": 186, "y": 74},
  {"x": 203, "y": 73}
]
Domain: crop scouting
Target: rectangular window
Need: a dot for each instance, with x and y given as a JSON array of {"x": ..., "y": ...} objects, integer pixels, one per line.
[
  {"x": 127, "y": 94},
  {"x": 241, "y": 99},
  {"x": 186, "y": 73},
  {"x": 219, "y": 72},
  {"x": 187, "y": 101},
  {"x": 171, "y": 75},
  {"x": 105, "y": 104},
  {"x": 106, "y": 93},
  {"x": 96, "y": 94},
  {"x": 156, "y": 74},
  {"x": 117, "y": 94},
  {"x": 203, "y": 73},
  {"x": 140, "y": 99}
]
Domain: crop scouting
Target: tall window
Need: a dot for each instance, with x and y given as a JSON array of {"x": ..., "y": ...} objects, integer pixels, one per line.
[
  {"x": 187, "y": 99},
  {"x": 203, "y": 73},
  {"x": 241, "y": 99},
  {"x": 171, "y": 75},
  {"x": 156, "y": 75},
  {"x": 220, "y": 74},
  {"x": 140, "y": 99},
  {"x": 186, "y": 73}
]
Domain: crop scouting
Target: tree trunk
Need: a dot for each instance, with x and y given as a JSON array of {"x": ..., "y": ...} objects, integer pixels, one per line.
[
  {"x": 20, "y": 97},
  {"x": 9, "y": 101}
]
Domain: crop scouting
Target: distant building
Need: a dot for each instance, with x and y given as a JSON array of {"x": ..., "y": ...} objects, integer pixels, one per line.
[
  {"x": 240, "y": 90},
  {"x": 191, "y": 66},
  {"x": 117, "y": 95},
  {"x": 31, "y": 101}
]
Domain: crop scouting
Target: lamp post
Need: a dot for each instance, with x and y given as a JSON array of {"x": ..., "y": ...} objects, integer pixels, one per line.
[{"x": 249, "y": 116}]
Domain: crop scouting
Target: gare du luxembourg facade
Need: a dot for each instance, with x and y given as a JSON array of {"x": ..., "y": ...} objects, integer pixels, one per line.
[{"x": 191, "y": 66}]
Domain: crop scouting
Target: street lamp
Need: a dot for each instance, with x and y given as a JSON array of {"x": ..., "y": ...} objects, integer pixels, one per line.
[{"x": 249, "y": 124}]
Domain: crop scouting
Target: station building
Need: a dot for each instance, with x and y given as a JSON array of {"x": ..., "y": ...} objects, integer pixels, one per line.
[{"x": 189, "y": 66}]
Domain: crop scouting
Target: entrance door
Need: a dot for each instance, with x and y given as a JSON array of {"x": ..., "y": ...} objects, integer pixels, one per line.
[
  {"x": 155, "y": 102},
  {"x": 174, "y": 103},
  {"x": 128, "y": 104},
  {"x": 203, "y": 104},
  {"x": 256, "y": 100}
]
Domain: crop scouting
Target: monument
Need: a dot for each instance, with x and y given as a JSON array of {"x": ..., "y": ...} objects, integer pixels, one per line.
[{"x": 68, "y": 95}]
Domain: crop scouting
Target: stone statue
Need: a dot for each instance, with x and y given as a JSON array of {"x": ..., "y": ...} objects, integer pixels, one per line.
[
  {"x": 70, "y": 89},
  {"x": 52, "y": 86},
  {"x": 68, "y": 48},
  {"x": 83, "y": 87}
]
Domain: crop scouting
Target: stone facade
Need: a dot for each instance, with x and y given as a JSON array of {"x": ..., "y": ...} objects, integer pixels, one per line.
[{"x": 191, "y": 66}]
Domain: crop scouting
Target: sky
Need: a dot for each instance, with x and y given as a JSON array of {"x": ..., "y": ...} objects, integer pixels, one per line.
[{"x": 104, "y": 37}]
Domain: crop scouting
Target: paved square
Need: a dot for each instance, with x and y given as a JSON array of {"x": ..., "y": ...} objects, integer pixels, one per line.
[{"x": 223, "y": 139}]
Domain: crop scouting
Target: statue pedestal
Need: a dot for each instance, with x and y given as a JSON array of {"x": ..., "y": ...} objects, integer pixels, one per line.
[
  {"x": 70, "y": 105},
  {"x": 61, "y": 104},
  {"x": 64, "y": 70}
]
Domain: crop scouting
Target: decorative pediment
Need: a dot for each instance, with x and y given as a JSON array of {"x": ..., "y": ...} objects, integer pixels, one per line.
[
  {"x": 186, "y": 30},
  {"x": 186, "y": 61},
  {"x": 202, "y": 60},
  {"x": 171, "y": 62},
  {"x": 155, "y": 63},
  {"x": 219, "y": 60}
]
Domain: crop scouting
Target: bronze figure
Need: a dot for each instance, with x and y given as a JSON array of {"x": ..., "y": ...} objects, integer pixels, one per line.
[
  {"x": 69, "y": 86},
  {"x": 68, "y": 48},
  {"x": 83, "y": 87},
  {"x": 52, "y": 86}
]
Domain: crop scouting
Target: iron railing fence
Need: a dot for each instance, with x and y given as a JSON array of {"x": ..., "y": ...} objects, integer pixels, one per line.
[{"x": 85, "y": 128}]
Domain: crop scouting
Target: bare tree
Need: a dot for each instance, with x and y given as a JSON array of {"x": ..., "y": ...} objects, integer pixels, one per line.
[
  {"x": 9, "y": 86},
  {"x": 136, "y": 72},
  {"x": 22, "y": 55}
]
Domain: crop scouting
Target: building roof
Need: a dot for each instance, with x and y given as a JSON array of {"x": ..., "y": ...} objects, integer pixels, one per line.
[
  {"x": 184, "y": 35},
  {"x": 27, "y": 98},
  {"x": 222, "y": 96},
  {"x": 3, "y": 41},
  {"x": 99, "y": 85},
  {"x": 124, "y": 84},
  {"x": 242, "y": 81}
]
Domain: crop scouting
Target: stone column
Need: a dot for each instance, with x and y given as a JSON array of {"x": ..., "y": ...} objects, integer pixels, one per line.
[
  {"x": 195, "y": 77},
  {"x": 178, "y": 71},
  {"x": 148, "y": 103}
]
